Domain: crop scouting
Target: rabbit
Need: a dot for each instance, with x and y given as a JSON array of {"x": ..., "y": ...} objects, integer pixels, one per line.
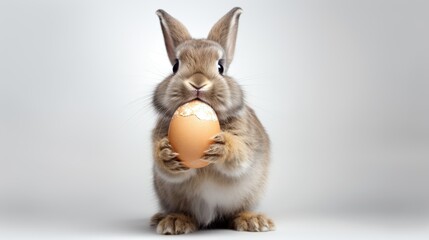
[{"x": 223, "y": 193}]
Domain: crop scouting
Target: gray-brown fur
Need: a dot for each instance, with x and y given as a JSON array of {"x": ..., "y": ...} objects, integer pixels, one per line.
[{"x": 232, "y": 184}]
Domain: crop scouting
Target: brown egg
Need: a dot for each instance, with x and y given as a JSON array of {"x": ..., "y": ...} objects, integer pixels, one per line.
[{"x": 190, "y": 132}]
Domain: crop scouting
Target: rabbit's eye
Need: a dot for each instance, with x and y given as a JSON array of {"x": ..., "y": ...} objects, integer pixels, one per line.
[
  {"x": 220, "y": 67},
  {"x": 176, "y": 66}
]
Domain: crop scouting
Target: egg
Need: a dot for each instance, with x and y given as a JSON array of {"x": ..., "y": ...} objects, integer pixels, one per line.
[{"x": 191, "y": 130}]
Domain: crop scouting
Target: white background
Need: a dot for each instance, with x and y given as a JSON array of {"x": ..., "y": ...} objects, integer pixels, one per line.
[{"x": 342, "y": 88}]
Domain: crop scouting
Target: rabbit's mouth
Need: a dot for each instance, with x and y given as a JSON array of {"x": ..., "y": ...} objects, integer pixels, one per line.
[
  {"x": 198, "y": 92},
  {"x": 199, "y": 97}
]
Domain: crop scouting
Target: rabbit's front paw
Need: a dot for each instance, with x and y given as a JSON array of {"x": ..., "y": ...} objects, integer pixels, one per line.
[
  {"x": 168, "y": 158},
  {"x": 217, "y": 150}
]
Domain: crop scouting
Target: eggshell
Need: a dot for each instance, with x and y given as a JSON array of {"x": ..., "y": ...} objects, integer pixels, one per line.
[{"x": 190, "y": 132}]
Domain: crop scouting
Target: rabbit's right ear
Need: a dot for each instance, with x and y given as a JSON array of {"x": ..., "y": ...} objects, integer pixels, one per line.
[
  {"x": 174, "y": 33},
  {"x": 225, "y": 32}
]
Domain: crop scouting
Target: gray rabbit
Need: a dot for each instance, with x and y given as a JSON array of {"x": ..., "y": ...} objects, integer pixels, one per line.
[{"x": 224, "y": 192}]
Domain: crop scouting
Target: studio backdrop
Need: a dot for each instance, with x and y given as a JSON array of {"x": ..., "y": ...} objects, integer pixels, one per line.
[{"x": 342, "y": 88}]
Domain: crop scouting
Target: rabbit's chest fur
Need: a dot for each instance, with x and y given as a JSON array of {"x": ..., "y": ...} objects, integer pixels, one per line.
[{"x": 214, "y": 198}]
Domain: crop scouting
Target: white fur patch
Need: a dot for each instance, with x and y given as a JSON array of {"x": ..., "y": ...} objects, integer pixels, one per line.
[
  {"x": 215, "y": 198},
  {"x": 236, "y": 172}
]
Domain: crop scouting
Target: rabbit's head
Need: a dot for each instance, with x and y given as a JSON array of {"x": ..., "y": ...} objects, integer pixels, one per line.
[{"x": 200, "y": 67}]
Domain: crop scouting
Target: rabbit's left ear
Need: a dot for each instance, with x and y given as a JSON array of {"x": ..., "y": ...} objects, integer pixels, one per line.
[{"x": 224, "y": 32}]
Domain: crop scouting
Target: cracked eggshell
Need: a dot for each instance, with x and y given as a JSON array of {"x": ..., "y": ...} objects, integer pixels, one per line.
[{"x": 190, "y": 132}]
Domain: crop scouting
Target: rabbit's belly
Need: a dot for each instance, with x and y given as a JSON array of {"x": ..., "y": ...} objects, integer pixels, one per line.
[{"x": 216, "y": 199}]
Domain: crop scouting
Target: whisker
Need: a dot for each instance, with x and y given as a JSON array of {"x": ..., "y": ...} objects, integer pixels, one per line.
[{"x": 139, "y": 99}]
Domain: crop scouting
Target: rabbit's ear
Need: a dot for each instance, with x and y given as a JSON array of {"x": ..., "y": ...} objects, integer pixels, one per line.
[
  {"x": 225, "y": 32},
  {"x": 174, "y": 33}
]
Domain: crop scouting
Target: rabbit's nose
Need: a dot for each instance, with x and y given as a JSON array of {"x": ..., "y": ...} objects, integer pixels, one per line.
[
  {"x": 197, "y": 87},
  {"x": 198, "y": 80}
]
